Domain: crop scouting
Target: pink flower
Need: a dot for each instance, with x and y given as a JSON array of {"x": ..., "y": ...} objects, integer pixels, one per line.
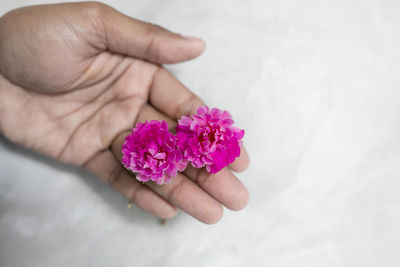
[
  {"x": 151, "y": 152},
  {"x": 209, "y": 139}
]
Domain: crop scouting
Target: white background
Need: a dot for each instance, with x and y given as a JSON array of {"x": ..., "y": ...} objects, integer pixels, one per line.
[{"x": 315, "y": 84}]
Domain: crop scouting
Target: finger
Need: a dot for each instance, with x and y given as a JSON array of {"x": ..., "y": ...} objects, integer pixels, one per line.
[
  {"x": 224, "y": 186},
  {"x": 128, "y": 36},
  {"x": 171, "y": 97},
  {"x": 189, "y": 197},
  {"x": 110, "y": 171},
  {"x": 242, "y": 162}
]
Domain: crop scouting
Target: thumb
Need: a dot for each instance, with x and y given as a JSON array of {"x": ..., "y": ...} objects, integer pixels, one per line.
[{"x": 128, "y": 36}]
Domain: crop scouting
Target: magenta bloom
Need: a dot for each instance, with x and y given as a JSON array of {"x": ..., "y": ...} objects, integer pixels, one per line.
[
  {"x": 209, "y": 139},
  {"x": 151, "y": 152}
]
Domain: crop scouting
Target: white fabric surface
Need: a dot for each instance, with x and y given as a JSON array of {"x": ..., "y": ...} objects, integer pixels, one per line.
[{"x": 316, "y": 86}]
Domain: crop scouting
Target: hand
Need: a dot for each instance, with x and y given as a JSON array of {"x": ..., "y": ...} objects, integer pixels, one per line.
[{"x": 75, "y": 78}]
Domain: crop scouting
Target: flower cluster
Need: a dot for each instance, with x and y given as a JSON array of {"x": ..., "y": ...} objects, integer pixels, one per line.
[
  {"x": 206, "y": 139},
  {"x": 151, "y": 151}
]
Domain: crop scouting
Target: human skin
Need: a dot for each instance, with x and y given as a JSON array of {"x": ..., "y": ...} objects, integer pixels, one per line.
[{"x": 76, "y": 77}]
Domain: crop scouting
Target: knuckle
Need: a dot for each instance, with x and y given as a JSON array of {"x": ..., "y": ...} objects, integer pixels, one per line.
[
  {"x": 175, "y": 191},
  {"x": 95, "y": 13},
  {"x": 152, "y": 49},
  {"x": 215, "y": 214},
  {"x": 95, "y": 8},
  {"x": 114, "y": 176},
  {"x": 202, "y": 177},
  {"x": 154, "y": 29},
  {"x": 94, "y": 18},
  {"x": 134, "y": 194},
  {"x": 188, "y": 106},
  {"x": 155, "y": 35}
]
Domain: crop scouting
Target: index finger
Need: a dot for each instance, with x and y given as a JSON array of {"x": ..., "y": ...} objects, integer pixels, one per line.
[{"x": 171, "y": 97}]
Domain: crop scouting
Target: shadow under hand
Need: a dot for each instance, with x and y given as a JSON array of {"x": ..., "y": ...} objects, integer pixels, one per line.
[{"x": 110, "y": 197}]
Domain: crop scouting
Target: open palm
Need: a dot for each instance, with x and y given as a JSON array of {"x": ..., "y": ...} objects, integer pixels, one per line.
[{"x": 76, "y": 77}]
